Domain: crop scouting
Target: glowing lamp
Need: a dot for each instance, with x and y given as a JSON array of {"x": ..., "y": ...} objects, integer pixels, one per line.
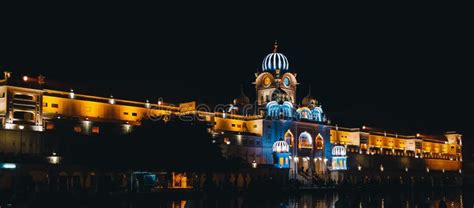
[
  {"x": 381, "y": 168},
  {"x": 21, "y": 127},
  {"x": 147, "y": 104},
  {"x": 359, "y": 167},
  {"x": 25, "y": 78},
  {"x": 8, "y": 165},
  {"x": 254, "y": 164},
  {"x": 406, "y": 169},
  {"x": 112, "y": 100},
  {"x": 71, "y": 94}
]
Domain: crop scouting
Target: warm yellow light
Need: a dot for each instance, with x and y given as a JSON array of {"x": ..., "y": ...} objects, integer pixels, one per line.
[
  {"x": 359, "y": 168},
  {"x": 25, "y": 78},
  {"x": 21, "y": 127}
]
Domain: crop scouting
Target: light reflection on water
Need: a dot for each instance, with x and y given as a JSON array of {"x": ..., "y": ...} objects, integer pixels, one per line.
[
  {"x": 323, "y": 199},
  {"x": 429, "y": 198}
]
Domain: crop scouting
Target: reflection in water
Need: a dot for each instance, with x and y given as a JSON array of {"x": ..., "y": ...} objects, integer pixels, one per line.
[{"x": 385, "y": 199}]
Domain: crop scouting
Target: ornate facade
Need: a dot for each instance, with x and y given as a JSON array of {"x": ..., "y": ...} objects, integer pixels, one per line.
[{"x": 275, "y": 130}]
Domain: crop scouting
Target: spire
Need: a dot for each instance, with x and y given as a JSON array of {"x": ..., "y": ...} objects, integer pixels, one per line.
[{"x": 275, "y": 46}]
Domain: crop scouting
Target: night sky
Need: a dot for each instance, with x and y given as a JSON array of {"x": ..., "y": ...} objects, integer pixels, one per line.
[{"x": 403, "y": 68}]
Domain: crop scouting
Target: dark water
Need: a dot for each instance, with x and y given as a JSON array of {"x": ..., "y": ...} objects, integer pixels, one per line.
[{"x": 381, "y": 198}]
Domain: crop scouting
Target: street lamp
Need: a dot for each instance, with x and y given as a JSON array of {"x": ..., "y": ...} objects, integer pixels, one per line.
[
  {"x": 254, "y": 164},
  {"x": 359, "y": 167},
  {"x": 21, "y": 138},
  {"x": 381, "y": 168},
  {"x": 54, "y": 159}
]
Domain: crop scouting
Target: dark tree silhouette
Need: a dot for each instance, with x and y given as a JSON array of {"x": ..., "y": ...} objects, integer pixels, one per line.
[{"x": 172, "y": 145}]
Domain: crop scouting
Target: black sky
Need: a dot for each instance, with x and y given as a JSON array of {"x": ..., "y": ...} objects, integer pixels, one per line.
[{"x": 400, "y": 67}]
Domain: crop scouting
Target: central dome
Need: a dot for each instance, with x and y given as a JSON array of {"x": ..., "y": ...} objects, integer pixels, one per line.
[{"x": 274, "y": 61}]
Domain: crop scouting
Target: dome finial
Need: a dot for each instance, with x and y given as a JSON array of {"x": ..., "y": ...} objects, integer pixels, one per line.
[{"x": 275, "y": 46}]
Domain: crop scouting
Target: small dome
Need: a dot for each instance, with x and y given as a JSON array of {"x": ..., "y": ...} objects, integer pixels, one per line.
[
  {"x": 274, "y": 61},
  {"x": 281, "y": 146},
  {"x": 309, "y": 100},
  {"x": 338, "y": 150},
  {"x": 242, "y": 99}
]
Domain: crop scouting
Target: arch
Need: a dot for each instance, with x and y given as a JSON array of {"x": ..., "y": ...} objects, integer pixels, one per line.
[
  {"x": 289, "y": 138},
  {"x": 339, "y": 151},
  {"x": 319, "y": 142},
  {"x": 304, "y": 113},
  {"x": 305, "y": 140},
  {"x": 276, "y": 111},
  {"x": 38, "y": 176},
  {"x": 317, "y": 114}
]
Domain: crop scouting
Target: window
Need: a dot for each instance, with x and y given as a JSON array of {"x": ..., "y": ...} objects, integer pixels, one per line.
[
  {"x": 289, "y": 138},
  {"x": 319, "y": 142},
  {"x": 134, "y": 114},
  {"x": 255, "y": 126},
  {"x": 50, "y": 125},
  {"x": 233, "y": 125},
  {"x": 54, "y": 105},
  {"x": 305, "y": 140},
  {"x": 2, "y": 95},
  {"x": 45, "y": 104},
  {"x": 23, "y": 97},
  {"x": 23, "y": 115},
  {"x": 95, "y": 129},
  {"x": 125, "y": 113},
  {"x": 78, "y": 129},
  {"x": 239, "y": 126}
]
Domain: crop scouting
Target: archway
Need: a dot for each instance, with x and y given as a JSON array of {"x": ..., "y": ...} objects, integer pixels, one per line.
[
  {"x": 305, "y": 140},
  {"x": 289, "y": 138}
]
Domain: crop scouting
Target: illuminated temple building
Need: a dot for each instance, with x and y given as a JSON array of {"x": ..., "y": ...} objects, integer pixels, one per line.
[{"x": 274, "y": 130}]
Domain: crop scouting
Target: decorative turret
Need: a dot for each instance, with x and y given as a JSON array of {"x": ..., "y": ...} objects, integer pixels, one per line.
[{"x": 281, "y": 154}]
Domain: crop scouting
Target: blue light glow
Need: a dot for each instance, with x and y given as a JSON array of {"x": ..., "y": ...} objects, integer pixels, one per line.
[{"x": 8, "y": 165}]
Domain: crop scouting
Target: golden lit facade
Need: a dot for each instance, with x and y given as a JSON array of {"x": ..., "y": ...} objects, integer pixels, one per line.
[{"x": 243, "y": 129}]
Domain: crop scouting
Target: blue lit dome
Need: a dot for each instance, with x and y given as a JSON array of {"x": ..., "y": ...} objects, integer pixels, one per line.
[
  {"x": 280, "y": 146},
  {"x": 274, "y": 61}
]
